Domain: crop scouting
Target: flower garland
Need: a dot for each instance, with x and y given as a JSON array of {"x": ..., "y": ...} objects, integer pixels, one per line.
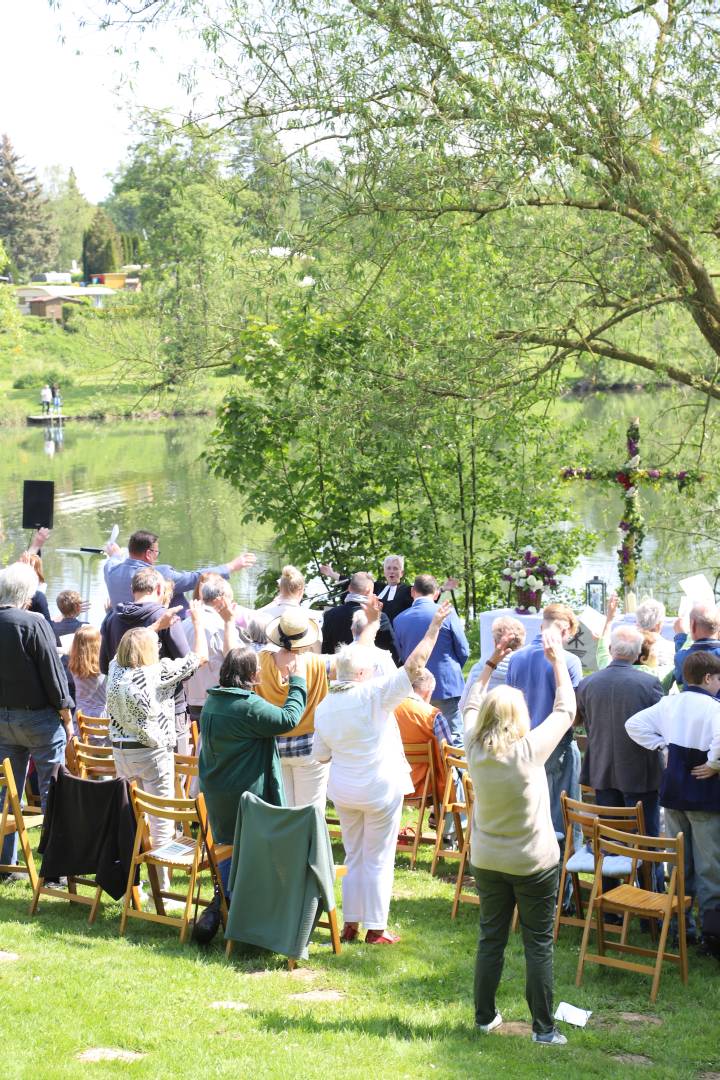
[
  {"x": 630, "y": 477},
  {"x": 529, "y": 574}
]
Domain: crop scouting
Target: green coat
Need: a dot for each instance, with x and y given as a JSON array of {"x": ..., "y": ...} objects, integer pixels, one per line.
[{"x": 239, "y": 752}]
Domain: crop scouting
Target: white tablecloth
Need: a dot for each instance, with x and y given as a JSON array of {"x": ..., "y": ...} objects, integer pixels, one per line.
[{"x": 583, "y": 645}]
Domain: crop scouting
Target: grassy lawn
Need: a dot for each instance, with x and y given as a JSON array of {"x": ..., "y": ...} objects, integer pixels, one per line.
[
  {"x": 403, "y": 1012},
  {"x": 91, "y": 366}
]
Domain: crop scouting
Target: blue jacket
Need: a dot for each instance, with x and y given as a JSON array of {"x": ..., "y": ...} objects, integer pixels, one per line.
[
  {"x": 120, "y": 572},
  {"x": 704, "y": 645},
  {"x": 689, "y": 726},
  {"x": 530, "y": 672},
  {"x": 451, "y": 648}
]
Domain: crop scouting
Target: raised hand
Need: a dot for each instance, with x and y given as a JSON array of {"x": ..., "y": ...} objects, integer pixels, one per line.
[
  {"x": 167, "y": 619},
  {"x": 241, "y": 562},
  {"x": 612, "y": 606},
  {"x": 449, "y": 585},
  {"x": 441, "y": 613},
  {"x": 373, "y": 608},
  {"x": 326, "y": 570},
  {"x": 552, "y": 644},
  {"x": 225, "y": 608}
]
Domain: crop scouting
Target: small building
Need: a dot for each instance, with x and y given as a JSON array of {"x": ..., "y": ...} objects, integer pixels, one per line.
[
  {"x": 26, "y": 293},
  {"x": 47, "y": 307}
]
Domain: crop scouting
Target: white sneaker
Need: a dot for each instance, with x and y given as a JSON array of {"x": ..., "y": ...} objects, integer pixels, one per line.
[
  {"x": 487, "y": 1028},
  {"x": 549, "y": 1038},
  {"x": 173, "y": 905}
]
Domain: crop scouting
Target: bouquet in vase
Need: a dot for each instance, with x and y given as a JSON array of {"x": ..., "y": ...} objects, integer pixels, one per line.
[{"x": 528, "y": 575}]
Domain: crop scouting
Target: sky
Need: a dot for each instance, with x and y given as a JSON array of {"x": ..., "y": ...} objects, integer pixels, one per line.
[{"x": 62, "y": 98}]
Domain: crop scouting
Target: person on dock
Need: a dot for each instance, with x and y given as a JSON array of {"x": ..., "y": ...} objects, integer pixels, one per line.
[
  {"x": 56, "y": 399},
  {"x": 144, "y": 551},
  {"x": 45, "y": 399}
]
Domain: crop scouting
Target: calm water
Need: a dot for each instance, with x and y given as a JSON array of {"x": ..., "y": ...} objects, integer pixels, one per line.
[
  {"x": 149, "y": 475},
  {"x": 138, "y": 475}
]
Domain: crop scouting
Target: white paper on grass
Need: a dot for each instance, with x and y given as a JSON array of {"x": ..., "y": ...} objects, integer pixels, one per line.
[
  {"x": 698, "y": 589},
  {"x": 572, "y": 1015},
  {"x": 594, "y": 620}
]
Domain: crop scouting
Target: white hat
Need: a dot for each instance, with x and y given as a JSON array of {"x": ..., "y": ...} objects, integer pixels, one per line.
[{"x": 294, "y": 629}]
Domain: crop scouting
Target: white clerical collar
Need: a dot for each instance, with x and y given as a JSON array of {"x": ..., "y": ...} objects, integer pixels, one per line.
[{"x": 388, "y": 593}]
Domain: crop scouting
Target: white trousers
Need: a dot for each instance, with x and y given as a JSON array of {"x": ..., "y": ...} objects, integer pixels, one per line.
[
  {"x": 369, "y": 838},
  {"x": 154, "y": 772},
  {"x": 305, "y": 781}
]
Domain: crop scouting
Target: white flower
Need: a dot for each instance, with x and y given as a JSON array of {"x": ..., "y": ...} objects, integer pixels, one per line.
[
  {"x": 551, "y": 567},
  {"x": 633, "y": 462},
  {"x": 631, "y": 492},
  {"x": 532, "y": 582},
  {"x": 521, "y": 575},
  {"x": 528, "y": 550},
  {"x": 532, "y": 610},
  {"x": 517, "y": 564}
]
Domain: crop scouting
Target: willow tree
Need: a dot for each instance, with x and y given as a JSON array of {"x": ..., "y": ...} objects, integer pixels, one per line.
[{"x": 592, "y": 124}]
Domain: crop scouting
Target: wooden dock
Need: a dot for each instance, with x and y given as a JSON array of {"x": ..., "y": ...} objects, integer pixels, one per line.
[{"x": 48, "y": 418}]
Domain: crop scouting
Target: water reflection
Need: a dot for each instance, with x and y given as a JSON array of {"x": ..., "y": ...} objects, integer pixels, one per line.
[{"x": 140, "y": 475}]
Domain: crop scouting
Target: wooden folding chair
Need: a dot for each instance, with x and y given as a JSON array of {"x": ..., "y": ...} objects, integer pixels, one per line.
[
  {"x": 194, "y": 737},
  {"x": 93, "y": 762},
  {"x": 582, "y": 815},
  {"x": 453, "y": 759},
  {"x": 186, "y": 769},
  {"x": 420, "y": 754},
  {"x": 182, "y": 853},
  {"x": 12, "y": 820},
  {"x": 94, "y": 730},
  {"x": 461, "y": 896},
  {"x": 631, "y": 900}
]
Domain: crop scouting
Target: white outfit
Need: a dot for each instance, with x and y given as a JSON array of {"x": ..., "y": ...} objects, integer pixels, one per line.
[
  {"x": 208, "y": 675},
  {"x": 356, "y": 729},
  {"x": 305, "y": 781},
  {"x": 275, "y": 609}
]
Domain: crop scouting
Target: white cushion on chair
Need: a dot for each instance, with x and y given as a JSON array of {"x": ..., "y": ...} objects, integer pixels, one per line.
[{"x": 583, "y": 862}]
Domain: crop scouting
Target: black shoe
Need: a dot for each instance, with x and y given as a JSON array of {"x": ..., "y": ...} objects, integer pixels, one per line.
[
  {"x": 207, "y": 926},
  {"x": 709, "y": 946}
]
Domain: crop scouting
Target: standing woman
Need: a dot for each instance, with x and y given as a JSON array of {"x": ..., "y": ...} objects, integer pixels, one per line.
[
  {"x": 514, "y": 852},
  {"x": 239, "y": 751},
  {"x": 291, "y": 586},
  {"x": 141, "y": 706},
  {"x": 304, "y": 779}
]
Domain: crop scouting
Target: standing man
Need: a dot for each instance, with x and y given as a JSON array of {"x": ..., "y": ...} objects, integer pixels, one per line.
[
  {"x": 337, "y": 621},
  {"x": 34, "y": 699},
  {"x": 147, "y": 610},
  {"x": 222, "y": 636},
  {"x": 621, "y": 772},
  {"x": 529, "y": 671},
  {"x": 704, "y": 630},
  {"x": 449, "y": 653},
  {"x": 144, "y": 551}
]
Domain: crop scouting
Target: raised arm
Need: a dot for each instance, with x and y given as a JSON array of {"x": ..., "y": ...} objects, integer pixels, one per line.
[
  {"x": 479, "y": 687},
  {"x": 544, "y": 738}
]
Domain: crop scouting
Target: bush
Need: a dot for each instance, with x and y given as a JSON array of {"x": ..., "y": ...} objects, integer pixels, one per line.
[{"x": 33, "y": 378}]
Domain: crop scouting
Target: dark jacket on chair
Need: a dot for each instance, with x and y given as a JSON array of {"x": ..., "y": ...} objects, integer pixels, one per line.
[{"x": 89, "y": 828}]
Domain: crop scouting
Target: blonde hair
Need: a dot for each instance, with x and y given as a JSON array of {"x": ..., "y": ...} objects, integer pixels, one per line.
[
  {"x": 138, "y": 648},
  {"x": 502, "y": 720},
  {"x": 35, "y": 562},
  {"x": 561, "y": 613},
  {"x": 507, "y": 625},
  {"x": 84, "y": 658},
  {"x": 291, "y": 581}
]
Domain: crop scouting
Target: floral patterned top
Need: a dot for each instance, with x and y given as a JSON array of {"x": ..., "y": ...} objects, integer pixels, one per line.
[{"x": 141, "y": 701}]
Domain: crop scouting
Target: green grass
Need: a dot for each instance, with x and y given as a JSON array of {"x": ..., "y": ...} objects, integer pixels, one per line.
[
  {"x": 92, "y": 368},
  {"x": 407, "y": 1010}
]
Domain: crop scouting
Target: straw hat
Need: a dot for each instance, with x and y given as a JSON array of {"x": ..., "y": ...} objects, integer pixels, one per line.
[{"x": 294, "y": 629}]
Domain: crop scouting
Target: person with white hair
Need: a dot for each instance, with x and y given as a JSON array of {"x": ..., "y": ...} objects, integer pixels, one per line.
[
  {"x": 704, "y": 627},
  {"x": 221, "y": 631},
  {"x": 621, "y": 772},
  {"x": 356, "y": 731},
  {"x": 35, "y": 702},
  {"x": 513, "y": 631}
]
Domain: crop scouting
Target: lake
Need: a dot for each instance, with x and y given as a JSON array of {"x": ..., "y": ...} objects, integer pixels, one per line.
[{"x": 148, "y": 474}]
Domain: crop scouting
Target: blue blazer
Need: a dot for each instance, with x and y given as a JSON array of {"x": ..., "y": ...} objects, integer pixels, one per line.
[{"x": 451, "y": 648}]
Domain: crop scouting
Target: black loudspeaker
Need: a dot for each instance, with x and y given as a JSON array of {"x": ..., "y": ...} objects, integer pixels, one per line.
[{"x": 38, "y": 500}]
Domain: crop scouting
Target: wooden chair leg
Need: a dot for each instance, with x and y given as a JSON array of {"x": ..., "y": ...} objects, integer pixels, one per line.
[
  {"x": 229, "y": 948},
  {"x": 95, "y": 906},
  {"x": 334, "y": 931},
  {"x": 660, "y": 955},
  {"x": 36, "y": 896}
]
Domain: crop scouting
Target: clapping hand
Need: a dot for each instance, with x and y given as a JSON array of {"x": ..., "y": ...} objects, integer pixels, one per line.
[
  {"x": 681, "y": 626},
  {"x": 504, "y": 647},
  {"x": 241, "y": 562},
  {"x": 326, "y": 570},
  {"x": 297, "y": 665},
  {"x": 552, "y": 644}
]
